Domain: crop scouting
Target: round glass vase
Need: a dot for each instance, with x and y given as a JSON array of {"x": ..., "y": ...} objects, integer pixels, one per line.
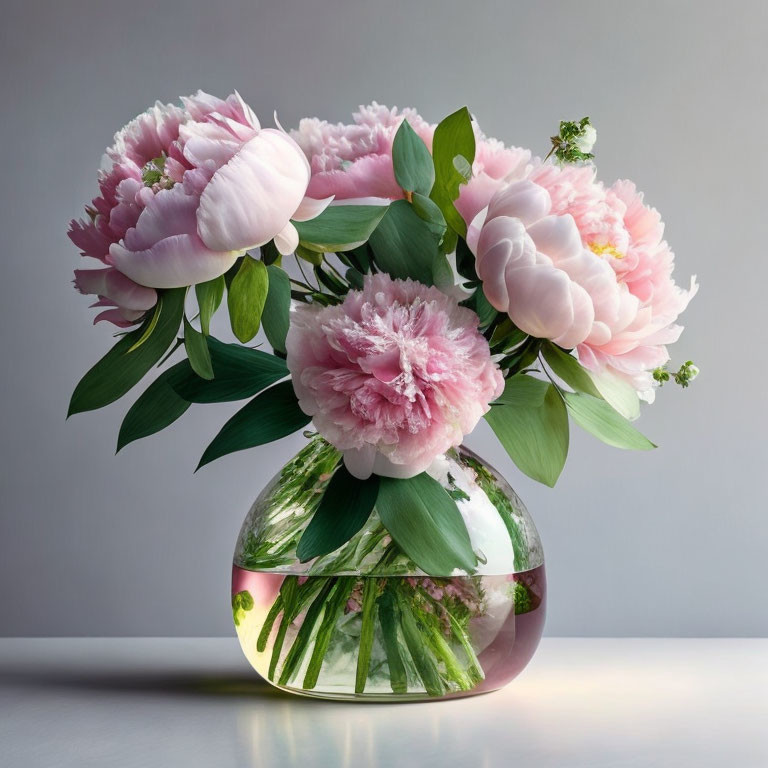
[{"x": 364, "y": 623}]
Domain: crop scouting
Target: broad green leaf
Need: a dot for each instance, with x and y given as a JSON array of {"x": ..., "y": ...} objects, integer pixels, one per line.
[
  {"x": 344, "y": 509},
  {"x": 427, "y": 209},
  {"x": 569, "y": 369},
  {"x": 442, "y": 274},
  {"x": 601, "y": 420},
  {"x": 245, "y": 298},
  {"x": 618, "y": 393},
  {"x": 403, "y": 244},
  {"x": 271, "y": 415},
  {"x": 158, "y": 407},
  {"x": 197, "y": 351},
  {"x": 239, "y": 372},
  {"x": 426, "y": 524},
  {"x": 536, "y": 438},
  {"x": 340, "y": 227},
  {"x": 119, "y": 370},
  {"x": 412, "y": 162},
  {"x": 483, "y": 308},
  {"x": 463, "y": 166},
  {"x": 523, "y": 391},
  {"x": 209, "y": 296},
  {"x": 277, "y": 309},
  {"x": 454, "y": 138}
]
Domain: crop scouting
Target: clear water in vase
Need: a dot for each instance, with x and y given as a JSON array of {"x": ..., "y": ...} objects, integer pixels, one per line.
[{"x": 394, "y": 636}]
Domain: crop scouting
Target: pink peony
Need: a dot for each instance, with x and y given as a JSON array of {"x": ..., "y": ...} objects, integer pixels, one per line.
[
  {"x": 394, "y": 376},
  {"x": 355, "y": 161},
  {"x": 583, "y": 266},
  {"x": 184, "y": 192}
]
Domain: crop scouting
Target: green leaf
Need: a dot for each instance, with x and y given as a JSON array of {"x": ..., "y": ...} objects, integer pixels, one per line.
[
  {"x": 412, "y": 162},
  {"x": 340, "y": 227},
  {"x": 536, "y": 438},
  {"x": 197, "y": 351},
  {"x": 601, "y": 420},
  {"x": 522, "y": 357},
  {"x": 403, "y": 244},
  {"x": 119, "y": 370},
  {"x": 483, "y": 308},
  {"x": 427, "y": 209},
  {"x": 426, "y": 524},
  {"x": 277, "y": 309},
  {"x": 158, "y": 407},
  {"x": 507, "y": 335},
  {"x": 239, "y": 372},
  {"x": 523, "y": 391},
  {"x": 463, "y": 167},
  {"x": 465, "y": 261},
  {"x": 246, "y": 297},
  {"x": 313, "y": 257},
  {"x": 150, "y": 327},
  {"x": 618, "y": 393},
  {"x": 442, "y": 274},
  {"x": 269, "y": 416},
  {"x": 569, "y": 369},
  {"x": 344, "y": 509},
  {"x": 453, "y": 145},
  {"x": 354, "y": 278},
  {"x": 270, "y": 254},
  {"x": 209, "y": 296}
]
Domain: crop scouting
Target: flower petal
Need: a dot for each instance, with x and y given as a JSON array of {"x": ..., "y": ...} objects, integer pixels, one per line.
[
  {"x": 174, "y": 262},
  {"x": 251, "y": 198}
]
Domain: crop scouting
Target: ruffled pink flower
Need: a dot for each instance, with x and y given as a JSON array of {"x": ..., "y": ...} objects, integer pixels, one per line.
[
  {"x": 585, "y": 267},
  {"x": 223, "y": 185},
  {"x": 355, "y": 161},
  {"x": 394, "y": 376}
]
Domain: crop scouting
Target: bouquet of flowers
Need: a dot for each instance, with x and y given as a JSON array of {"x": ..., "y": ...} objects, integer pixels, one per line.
[{"x": 411, "y": 279}]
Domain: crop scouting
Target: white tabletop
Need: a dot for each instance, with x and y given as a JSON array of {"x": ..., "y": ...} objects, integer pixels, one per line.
[{"x": 195, "y": 702}]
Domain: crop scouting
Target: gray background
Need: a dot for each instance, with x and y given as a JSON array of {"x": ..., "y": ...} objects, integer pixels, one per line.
[{"x": 664, "y": 543}]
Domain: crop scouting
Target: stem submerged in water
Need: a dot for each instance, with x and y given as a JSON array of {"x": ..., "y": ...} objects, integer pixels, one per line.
[{"x": 423, "y": 630}]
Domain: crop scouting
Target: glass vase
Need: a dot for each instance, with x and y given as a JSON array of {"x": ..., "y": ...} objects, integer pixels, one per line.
[{"x": 364, "y": 623}]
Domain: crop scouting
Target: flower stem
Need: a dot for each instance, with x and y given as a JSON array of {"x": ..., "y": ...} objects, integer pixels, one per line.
[
  {"x": 333, "y": 607},
  {"x": 304, "y": 635},
  {"x": 370, "y": 591},
  {"x": 389, "y": 620}
]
